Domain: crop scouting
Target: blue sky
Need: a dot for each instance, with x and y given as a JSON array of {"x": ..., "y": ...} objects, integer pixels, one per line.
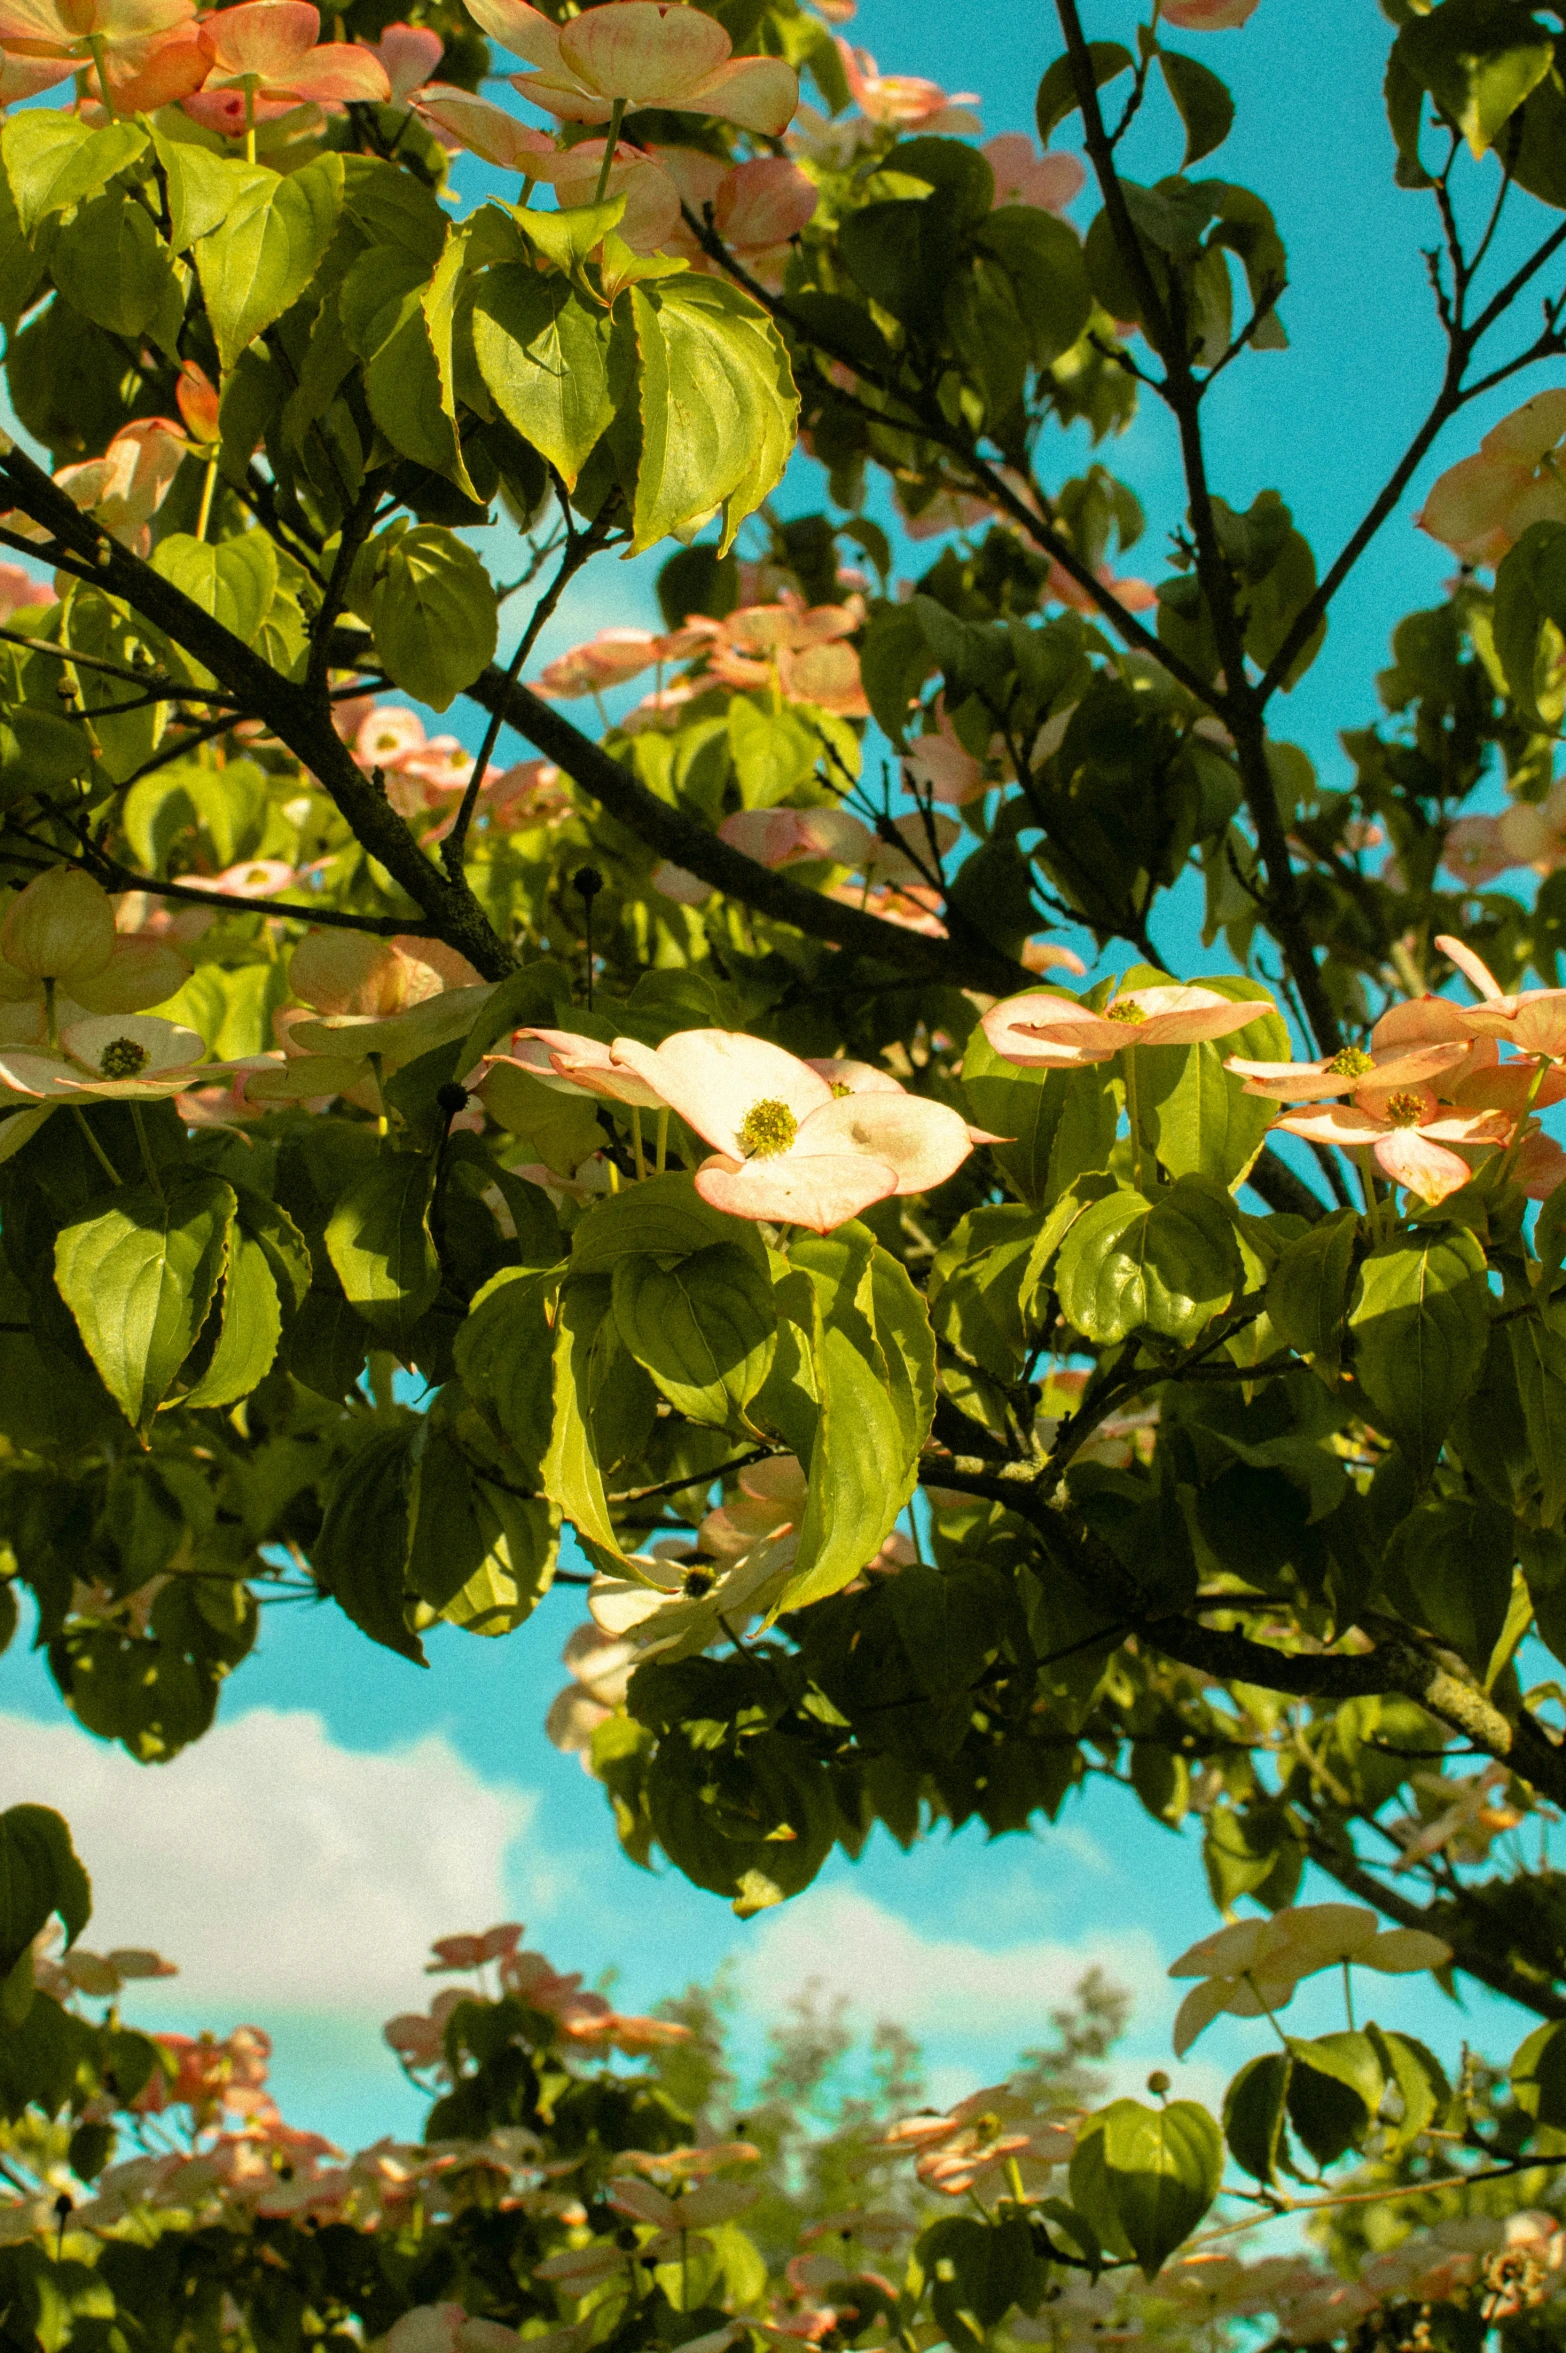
[{"x": 348, "y": 1808}]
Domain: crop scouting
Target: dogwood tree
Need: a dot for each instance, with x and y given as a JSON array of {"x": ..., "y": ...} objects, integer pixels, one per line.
[{"x": 687, "y": 1142}]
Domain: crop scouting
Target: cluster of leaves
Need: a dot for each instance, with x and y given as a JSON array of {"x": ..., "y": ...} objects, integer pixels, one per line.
[{"x": 1111, "y": 1446}]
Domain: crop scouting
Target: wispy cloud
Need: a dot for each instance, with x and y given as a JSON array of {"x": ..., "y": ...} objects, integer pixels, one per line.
[{"x": 279, "y": 1869}]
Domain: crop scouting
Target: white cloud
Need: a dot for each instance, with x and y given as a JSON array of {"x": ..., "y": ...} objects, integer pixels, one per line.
[
  {"x": 280, "y": 1870},
  {"x": 945, "y": 1986}
]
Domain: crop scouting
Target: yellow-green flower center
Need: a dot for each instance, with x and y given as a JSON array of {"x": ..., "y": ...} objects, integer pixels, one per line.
[
  {"x": 123, "y": 1058},
  {"x": 1404, "y": 1109},
  {"x": 1125, "y": 1011},
  {"x": 697, "y": 1584},
  {"x": 839, "y": 1090},
  {"x": 1353, "y": 1062},
  {"x": 768, "y": 1128}
]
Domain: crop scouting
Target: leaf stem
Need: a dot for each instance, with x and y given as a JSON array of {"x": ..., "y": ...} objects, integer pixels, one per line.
[
  {"x": 107, "y": 1165},
  {"x": 610, "y": 144},
  {"x": 139, "y": 1123}
]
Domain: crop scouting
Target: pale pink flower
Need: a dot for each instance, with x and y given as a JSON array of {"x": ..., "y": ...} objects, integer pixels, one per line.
[
  {"x": 1534, "y": 1020},
  {"x": 680, "y": 885},
  {"x": 124, "y": 488},
  {"x": 1253, "y": 1966},
  {"x": 1346, "y": 1072},
  {"x": 264, "y": 61},
  {"x": 614, "y": 655},
  {"x": 386, "y": 735},
  {"x": 1209, "y": 16},
  {"x": 1533, "y": 833},
  {"x": 407, "y": 55},
  {"x": 1048, "y": 182},
  {"x": 1472, "y": 1817},
  {"x": 651, "y": 219},
  {"x": 1047, "y": 1032},
  {"x": 756, "y": 207},
  {"x": 640, "y": 53},
  {"x": 787, "y": 1149},
  {"x": 337, "y": 972},
  {"x": 1407, "y": 1129},
  {"x": 601, "y": 1667},
  {"x": 572, "y": 1065},
  {"x": 975, "y": 2145},
  {"x": 942, "y": 766},
  {"x": 1049, "y": 956},
  {"x": 671, "y": 1604},
  {"x": 1476, "y": 849},
  {"x": 911, "y": 905},
  {"x": 115, "y": 1057},
  {"x": 44, "y": 39},
  {"x": 461, "y": 118},
  {"x": 471, "y": 1952},
  {"x": 786, "y": 837},
  {"x": 1480, "y": 506},
  {"x": 906, "y": 102},
  {"x": 19, "y": 588},
  {"x": 1137, "y": 596},
  {"x": 948, "y": 510}
]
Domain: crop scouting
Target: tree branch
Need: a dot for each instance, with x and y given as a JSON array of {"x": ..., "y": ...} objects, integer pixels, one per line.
[
  {"x": 684, "y": 842},
  {"x": 299, "y": 721},
  {"x": 1343, "y": 1865}
]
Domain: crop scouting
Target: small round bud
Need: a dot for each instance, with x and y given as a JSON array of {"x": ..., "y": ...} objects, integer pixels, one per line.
[
  {"x": 588, "y": 881},
  {"x": 451, "y": 1098},
  {"x": 61, "y": 926},
  {"x": 1158, "y": 2083}
]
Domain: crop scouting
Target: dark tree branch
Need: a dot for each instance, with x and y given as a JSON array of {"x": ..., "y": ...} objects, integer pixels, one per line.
[
  {"x": 1476, "y": 1959},
  {"x": 684, "y": 842},
  {"x": 303, "y": 723}
]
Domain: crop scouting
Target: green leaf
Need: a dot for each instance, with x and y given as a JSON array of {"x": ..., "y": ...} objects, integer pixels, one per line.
[
  {"x": 267, "y": 247},
  {"x": 665, "y": 1216},
  {"x": 204, "y": 188},
  {"x": 1253, "y": 2111},
  {"x": 1419, "y": 1323},
  {"x": 1415, "y": 2075},
  {"x": 1530, "y": 589},
  {"x": 235, "y": 580},
  {"x": 503, "y": 1355},
  {"x": 1057, "y": 92},
  {"x": 717, "y": 403},
  {"x": 434, "y": 614},
  {"x": 52, "y": 160},
  {"x": 378, "y": 1239},
  {"x": 40, "y": 2055},
  {"x": 1167, "y": 1265},
  {"x": 1160, "y": 2171},
  {"x": 1203, "y": 1122},
  {"x": 572, "y": 1477},
  {"x": 112, "y": 266},
  {"x": 1062, "y": 1122},
  {"x": 252, "y": 1326},
  {"x": 544, "y": 353},
  {"x": 1042, "y": 259},
  {"x": 1478, "y": 59},
  {"x": 1308, "y": 1291},
  {"x": 904, "y": 254},
  {"x": 705, "y": 1329},
  {"x": 1539, "y": 1356},
  {"x": 380, "y": 306},
  {"x": 863, "y": 1458},
  {"x": 138, "y": 1274},
  {"x": 1202, "y": 102},
  {"x": 1334, "y": 2092},
  {"x": 568, "y": 236},
  {"x": 363, "y": 1544},
  {"x": 40, "y": 1874},
  {"x": 1448, "y": 1567}
]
